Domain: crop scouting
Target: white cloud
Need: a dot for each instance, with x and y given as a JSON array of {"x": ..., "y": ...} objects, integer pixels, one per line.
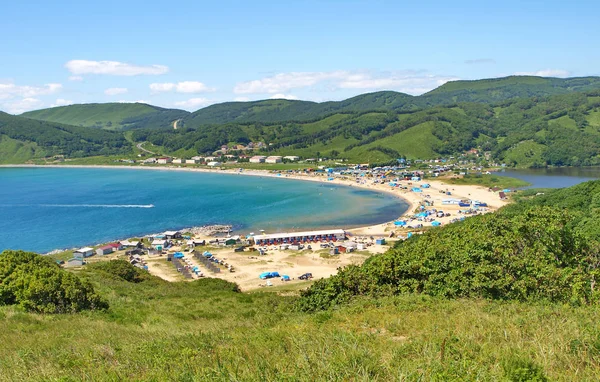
[
  {"x": 193, "y": 103},
  {"x": 412, "y": 82},
  {"x": 546, "y": 73},
  {"x": 115, "y": 91},
  {"x": 181, "y": 87},
  {"x": 283, "y": 96},
  {"x": 241, "y": 99},
  {"x": 62, "y": 102},
  {"x": 10, "y": 90},
  {"x": 23, "y": 105},
  {"x": 114, "y": 68},
  {"x": 75, "y": 78}
]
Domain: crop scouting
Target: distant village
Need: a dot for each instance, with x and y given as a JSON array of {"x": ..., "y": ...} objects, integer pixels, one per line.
[{"x": 468, "y": 161}]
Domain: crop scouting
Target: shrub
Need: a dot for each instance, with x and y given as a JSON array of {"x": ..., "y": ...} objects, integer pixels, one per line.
[
  {"x": 533, "y": 255},
  {"x": 123, "y": 270},
  {"x": 38, "y": 285}
]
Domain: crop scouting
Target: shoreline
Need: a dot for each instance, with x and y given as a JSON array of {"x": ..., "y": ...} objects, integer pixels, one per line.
[{"x": 411, "y": 199}]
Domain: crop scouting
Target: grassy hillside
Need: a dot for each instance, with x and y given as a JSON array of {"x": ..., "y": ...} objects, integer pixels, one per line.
[
  {"x": 111, "y": 116},
  {"x": 500, "y": 89},
  {"x": 22, "y": 139},
  {"x": 504, "y": 296}
]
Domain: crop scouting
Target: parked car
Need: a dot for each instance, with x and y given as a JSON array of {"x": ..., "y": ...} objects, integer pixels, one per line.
[{"x": 306, "y": 276}]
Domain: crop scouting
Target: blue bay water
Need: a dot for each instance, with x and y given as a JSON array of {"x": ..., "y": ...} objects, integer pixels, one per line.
[{"x": 42, "y": 209}]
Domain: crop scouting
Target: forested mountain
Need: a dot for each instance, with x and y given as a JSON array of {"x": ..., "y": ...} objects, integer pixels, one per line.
[
  {"x": 22, "y": 139},
  {"x": 486, "y": 91},
  {"x": 110, "y": 116},
  {"x": 500, "y": 89},
  {"x": 558, "y": 125},
  {"x": 556, "y": 130}
]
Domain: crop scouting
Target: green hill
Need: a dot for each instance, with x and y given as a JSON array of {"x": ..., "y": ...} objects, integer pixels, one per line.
[
  {"x": 499, "y": 89},
  {"x": 556, "y": 130},
  {"x": 111, "y": 116},
  {"x": 22, "y": 139},
  {"x": 486, "y": 91}
]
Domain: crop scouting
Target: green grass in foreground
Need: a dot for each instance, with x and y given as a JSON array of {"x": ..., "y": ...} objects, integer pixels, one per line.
[
  {"x": 203, "y": 330},
  {"x": 487, "y": 181}
]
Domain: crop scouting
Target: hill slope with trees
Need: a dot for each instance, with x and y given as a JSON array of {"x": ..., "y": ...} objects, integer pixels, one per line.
[
  {"x": 22, "y": 139},
  {"x": 110, "y": 116}
]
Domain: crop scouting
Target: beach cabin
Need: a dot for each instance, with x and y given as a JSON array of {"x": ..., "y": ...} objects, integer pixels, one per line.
[
  {"x": 273, "y": 159},
  {"x": 178, "y": 161},
  {"x": 159, "y": 244},
  {"x": 74, "y": 262},
  {"x": 130, "y": 244},
  {"x": 257, "y": 159},
  {"x": 192, "y": 161},
  {"x": 502, "y": 195},
  {"x": 104, "y": 250},
  {"x": 361, "y": 246},
  {"x": 164, "y": 160},
  {"x": 83, "y": 252},
  {"x": 291, "y": 158},
  {"x": 213, "y": 164},
  {"x": 172, "y": 235},
  {"x": 380, "y": 241},
  {"x": 231, "y": 241}
]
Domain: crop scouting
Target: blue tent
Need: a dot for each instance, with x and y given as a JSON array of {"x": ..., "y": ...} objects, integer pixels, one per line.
[
  {"x": 422, "y": 214},
  {"x": 416, "y": 189},
  {"x": 285, "y": 278},
  {"x": 400, "y": 223},
  {"x": 409, "y": 235},
  {"x": 268, "y": 275},
  {"x": 425, "y": 185},
  {"x": 207, "y": 254},
  {"x": 178, "y": 255},
  {"x": 436, "y": 224}
]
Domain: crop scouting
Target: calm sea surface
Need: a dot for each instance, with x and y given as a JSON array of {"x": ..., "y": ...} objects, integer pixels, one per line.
[
  {"x": 555, "y": 177},
  {"x": 42, "y": 209}
]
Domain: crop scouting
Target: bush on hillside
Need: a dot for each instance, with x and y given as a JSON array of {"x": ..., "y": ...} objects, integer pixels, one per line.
[
  {"x": 534, "y": 255},
  {"x": 39, "y": 285},
  {"x": 123, "y": 270}
]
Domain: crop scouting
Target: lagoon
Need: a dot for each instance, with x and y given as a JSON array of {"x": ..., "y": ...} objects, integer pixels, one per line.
[
  {"x": 554, "y": 177},
  {"x": 43, "y": 209}
]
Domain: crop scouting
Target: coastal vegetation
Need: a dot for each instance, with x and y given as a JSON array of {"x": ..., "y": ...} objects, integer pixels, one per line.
[
  {"x": 486, "y": 180},
  {"x": 37, "y": 284}
]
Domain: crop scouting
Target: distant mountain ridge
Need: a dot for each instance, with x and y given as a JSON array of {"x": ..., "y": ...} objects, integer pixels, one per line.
[
  {"x": 132, "y": 116},
  {"x": 110, "y": 116}
]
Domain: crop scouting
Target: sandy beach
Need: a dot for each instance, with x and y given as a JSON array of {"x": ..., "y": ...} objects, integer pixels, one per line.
[{"x": 248, "y": 265}]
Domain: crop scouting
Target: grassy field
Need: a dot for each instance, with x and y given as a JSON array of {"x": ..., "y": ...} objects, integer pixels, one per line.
[
  {"x": 204, "y": 330},
  {"x": 487, "y": 181}
]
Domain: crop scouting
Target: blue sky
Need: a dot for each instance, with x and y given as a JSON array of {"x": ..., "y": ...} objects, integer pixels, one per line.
[{"x": 192, "y": 54}]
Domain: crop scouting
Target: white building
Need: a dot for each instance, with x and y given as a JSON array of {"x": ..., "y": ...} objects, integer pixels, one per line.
[
  {"x": 198, "y": 158},
  {"x": 257, "y": 159},
  {"x": 192, "y": 161},
  {"x": 273, "y": 159},
  {"x": 327, "y": 235},
  {"x": 164, "y": 160},
  {"x": 178, "y": 161},
  {"x": 213, "y": 164},
  {"x": 84, "y": 252},
  {"x": 292, "y": 158}
]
